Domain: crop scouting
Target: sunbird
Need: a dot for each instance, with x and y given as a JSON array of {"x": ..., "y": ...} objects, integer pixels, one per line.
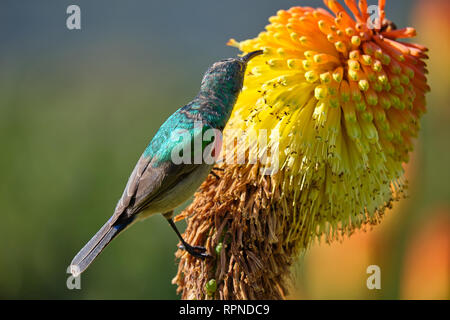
[{"x": 158, "y": 184}]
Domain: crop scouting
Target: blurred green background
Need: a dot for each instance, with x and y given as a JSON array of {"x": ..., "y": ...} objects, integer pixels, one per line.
[{"x": 77, "y": 108}]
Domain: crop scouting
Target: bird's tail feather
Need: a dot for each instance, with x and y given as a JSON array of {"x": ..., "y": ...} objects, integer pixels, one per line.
[{"x": 96, "y": 245}]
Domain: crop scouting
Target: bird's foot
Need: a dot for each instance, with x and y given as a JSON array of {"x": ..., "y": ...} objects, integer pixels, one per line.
[{"x": 195, "y": 251}]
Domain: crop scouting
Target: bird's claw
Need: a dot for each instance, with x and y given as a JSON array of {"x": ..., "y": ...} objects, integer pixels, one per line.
[{"x": 196, "y": 251}]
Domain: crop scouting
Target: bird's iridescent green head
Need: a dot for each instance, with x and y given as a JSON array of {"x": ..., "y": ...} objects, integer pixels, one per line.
[{"x": 227, "y": 76}]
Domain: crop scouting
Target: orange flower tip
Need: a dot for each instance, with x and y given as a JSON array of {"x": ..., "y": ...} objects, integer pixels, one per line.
[
  {"x": 340, "y": 46},
  {"x": 233, "y": 43},
  {"x": 273, "y": 19},
  {"x": 311, "y": 76},
  {"x": 356, "y": 41},
  {"x": 278, "y": 35},
  {"x": 353, "y": 64},
  {"x": 320, "y": 92},
  {"x": 363, "y": 85},
  {"x": 400, "y": 33},
  {"x": 366, "y": 60},
  {"x": 334, "y": 26},
  {"x": 306, "y": 64},
  {"x": 276, "y": 63},
  {"x": 378, "y": 53},
  {"x": 309, "y": 54},
  {"x": 337, "y": 75},
  {"x": 349, "y": 31},
  {"x": 294, "y": 63},
  {"x": 318, "y": 58},
  {"x": 410, "y": 32},
  {"x": 294, "y": 36},
  {"x": 325, "y": 78},
  {"x": 353, "y": 75},
  {"x": 267, "y": 50},
  {"x": 290, "y": 26},
  {"x": 322, "y": 26},
  {"x": 359, "y": 27},
  {"x": 354, "y": 55},
  {"x": 281, "y": 51},
  {"x": 303, "y": 40},
  {"x": 400, "y": 57},
  {"x": 377, "y": 67}
]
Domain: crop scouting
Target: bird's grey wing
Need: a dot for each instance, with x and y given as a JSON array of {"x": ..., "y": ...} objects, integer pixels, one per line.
[
  {"x": 132, "y": 185},
  {"x": 146, "y": 183},
  {"x": 155, "y": 181}
]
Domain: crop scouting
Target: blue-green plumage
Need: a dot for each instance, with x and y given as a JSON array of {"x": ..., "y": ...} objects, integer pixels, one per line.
[{"x": 158, "y": 184}]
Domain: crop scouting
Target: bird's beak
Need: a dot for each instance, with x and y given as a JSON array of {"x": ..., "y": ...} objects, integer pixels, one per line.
[{"x": 251, "y": 55}]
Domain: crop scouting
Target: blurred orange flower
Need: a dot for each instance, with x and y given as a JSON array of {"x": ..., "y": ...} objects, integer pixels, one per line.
[{"x": 426, "y": 264}]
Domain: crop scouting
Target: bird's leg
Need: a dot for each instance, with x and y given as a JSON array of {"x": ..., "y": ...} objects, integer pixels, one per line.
[{"x": 196, "y": 251}]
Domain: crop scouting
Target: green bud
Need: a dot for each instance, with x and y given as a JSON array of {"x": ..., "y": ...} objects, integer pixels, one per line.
[
  {"x": 211, "y": 287},
  {"x": 219, "y": 248}
]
